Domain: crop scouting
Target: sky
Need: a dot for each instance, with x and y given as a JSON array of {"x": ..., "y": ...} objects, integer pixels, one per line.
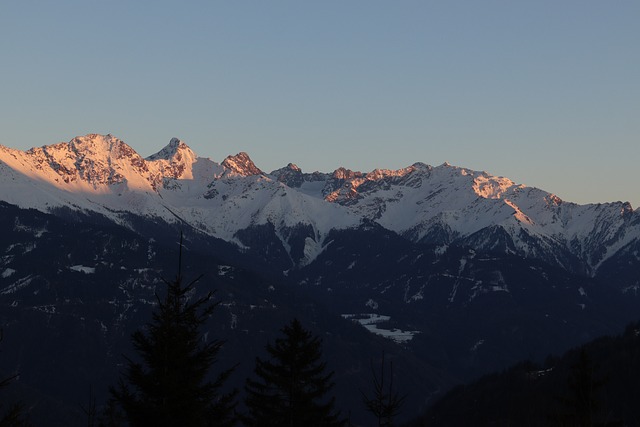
[{"x": 546, "y": 93}]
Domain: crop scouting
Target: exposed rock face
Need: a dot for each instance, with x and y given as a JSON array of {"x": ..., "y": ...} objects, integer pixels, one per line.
[
  {"x": 241, "y": 164},
  {"x": 291, "y": 175}
]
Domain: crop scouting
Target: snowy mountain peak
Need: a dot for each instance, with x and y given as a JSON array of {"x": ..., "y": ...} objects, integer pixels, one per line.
[
  {"x": 92, "y": 145},
  {"x": 422, "y": 167},
  {"x": 241, "y": 164},
  {"x": 294, "y": 167},
  {"x": 291, "y": 175},
  {"x": 174, "y": 149},
  {"x": 174, "y": 161},
  {"x": 342, "y": 173},
  {"x": 92, "y": 159},
  {"x": 96, "y": 147}
]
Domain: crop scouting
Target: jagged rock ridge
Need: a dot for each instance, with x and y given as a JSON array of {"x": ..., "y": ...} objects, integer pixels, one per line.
[{"x": 442, "y": 205}]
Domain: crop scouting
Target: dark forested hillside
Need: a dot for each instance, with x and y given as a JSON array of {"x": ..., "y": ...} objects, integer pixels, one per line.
[
  {"x": 74, "y": 287},
  {"x": 597, "y": 384}
]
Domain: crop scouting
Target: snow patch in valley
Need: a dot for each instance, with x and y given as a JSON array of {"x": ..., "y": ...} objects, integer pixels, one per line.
[
  {"x": 82, "y": 269},
  {"x": 17, "y": 285},
  {"x": 8, "y": 272},
  {"x": 477, "y": 345},
  {"x": 311, "y": 250},
  {"x": 417, "y": 296},
  {"x": 371, "y": 321},
  {"x": 224, "y": 270},
  {"x": 49, "y": 309}
]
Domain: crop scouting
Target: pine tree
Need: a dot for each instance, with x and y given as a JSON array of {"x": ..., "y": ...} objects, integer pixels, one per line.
[
  {"x": 386, "y": 402},
  {"x": 170, "y": 386},
  {"x": 292, "y": 387}
]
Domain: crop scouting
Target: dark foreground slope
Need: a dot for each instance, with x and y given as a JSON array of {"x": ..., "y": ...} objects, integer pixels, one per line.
[{"x": 594, "y": 384}]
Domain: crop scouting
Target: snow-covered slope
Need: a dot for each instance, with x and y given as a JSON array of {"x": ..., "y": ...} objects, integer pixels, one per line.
[
  {"x": 440, "y": 205},
  {"x": 103, "y": 174},
  {"x": 449, "y": 203}
]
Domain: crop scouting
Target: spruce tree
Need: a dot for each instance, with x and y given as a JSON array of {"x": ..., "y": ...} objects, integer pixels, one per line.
[
  {"x": 170, "y": 386},
  {"x": 292, "y": 387},
  {"x": 386, "y": 402}
]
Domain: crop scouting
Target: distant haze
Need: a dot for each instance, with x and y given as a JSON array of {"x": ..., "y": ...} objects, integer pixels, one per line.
[{"x": 545, "y": 93}]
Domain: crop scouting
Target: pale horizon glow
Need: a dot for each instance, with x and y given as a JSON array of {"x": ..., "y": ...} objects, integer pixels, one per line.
[{"x": 544, "y": 93}]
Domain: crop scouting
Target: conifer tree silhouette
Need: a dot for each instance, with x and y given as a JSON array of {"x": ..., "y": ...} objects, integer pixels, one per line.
[
  {"x": 170, "y": 386},
  {"x": 292, "y": 386},
  {"x": 386, "y": 402}
]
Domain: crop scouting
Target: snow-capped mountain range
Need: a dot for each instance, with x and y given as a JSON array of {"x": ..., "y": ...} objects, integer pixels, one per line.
[
  {"x": 459, "y": 272},
  {"x": 443, "y": 204}
]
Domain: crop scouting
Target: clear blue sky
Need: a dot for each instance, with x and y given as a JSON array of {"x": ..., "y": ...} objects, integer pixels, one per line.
[{"x": 546, "y": 93}]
